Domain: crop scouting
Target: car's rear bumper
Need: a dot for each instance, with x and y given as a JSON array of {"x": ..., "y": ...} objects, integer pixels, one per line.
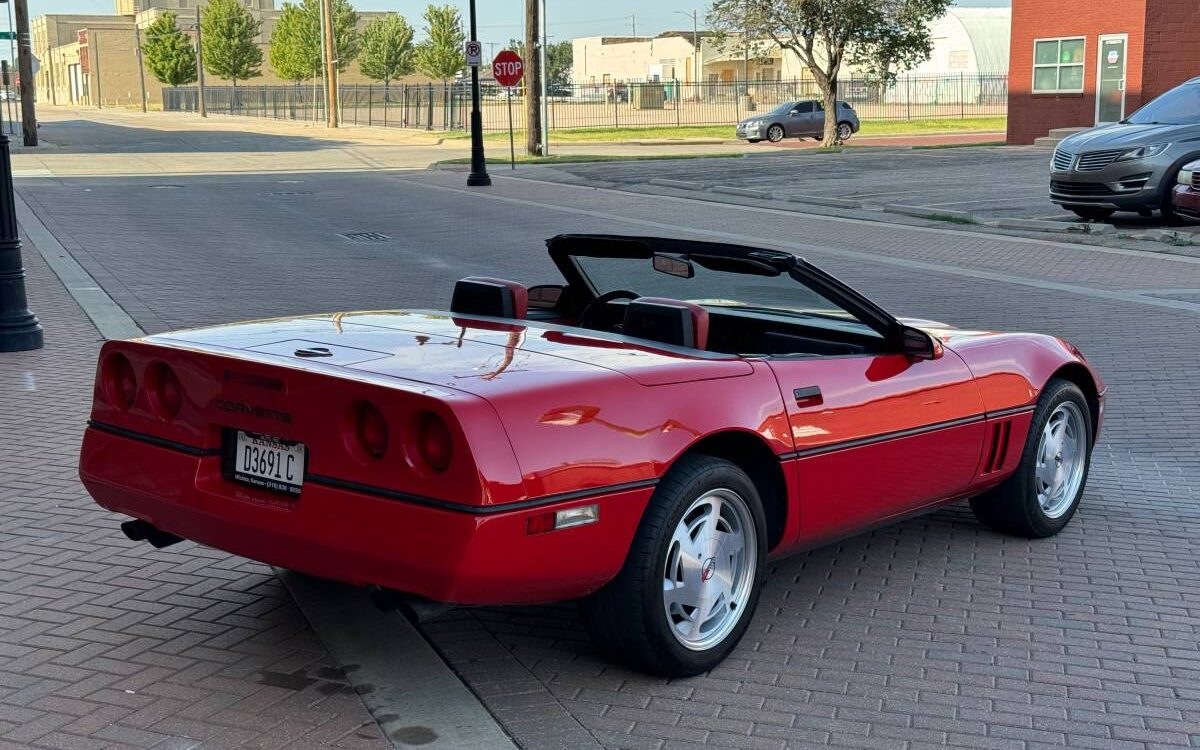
[
  {"x": 1186, "y": 201},
  {"x": 468, "y": 556}
]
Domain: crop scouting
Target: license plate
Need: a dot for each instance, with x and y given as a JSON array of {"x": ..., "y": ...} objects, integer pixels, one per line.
[{"x": 268, "y": 462}]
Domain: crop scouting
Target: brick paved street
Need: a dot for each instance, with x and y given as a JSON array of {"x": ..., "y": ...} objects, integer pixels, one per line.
[
  {"x": 105, "y": 643},
  {"x": 932, "y": 633}
]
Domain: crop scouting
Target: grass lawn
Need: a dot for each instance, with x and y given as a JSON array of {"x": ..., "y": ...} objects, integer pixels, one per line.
[{"x": 869, "y": 128}]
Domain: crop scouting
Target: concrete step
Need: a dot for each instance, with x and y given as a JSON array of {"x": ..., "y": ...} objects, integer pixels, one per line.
[{"x": 1056, "y": 135}]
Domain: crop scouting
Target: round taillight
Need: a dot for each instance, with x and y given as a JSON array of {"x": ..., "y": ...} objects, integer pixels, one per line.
[
  {"x": 371, "y": 429},
  {"x": 120, "y": 382},
  {"x": 166, "y": 392},
  {"x": 434, "y": 441}
]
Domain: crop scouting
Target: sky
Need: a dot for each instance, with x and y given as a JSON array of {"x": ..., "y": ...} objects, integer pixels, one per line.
[{"x": 501, "y": 20}]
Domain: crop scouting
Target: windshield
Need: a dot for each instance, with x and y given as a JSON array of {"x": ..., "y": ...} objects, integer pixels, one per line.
[
  {"x": 1179, "y": 106},
  {"x": 779, "y": 292},
  {"x": 783, "y": 109}
]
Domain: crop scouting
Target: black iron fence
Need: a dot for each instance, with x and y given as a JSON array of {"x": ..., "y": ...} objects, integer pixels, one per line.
[{"x": 669, "y": 103}]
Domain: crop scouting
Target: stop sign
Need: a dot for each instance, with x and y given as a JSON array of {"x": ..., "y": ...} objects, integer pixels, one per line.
[{"x": 507, "y": 68}]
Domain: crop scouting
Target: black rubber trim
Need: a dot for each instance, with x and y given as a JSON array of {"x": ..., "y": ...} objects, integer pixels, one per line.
[
  {"x": 475, "y": 510},
  {"x": 1009, "y": 412},
  {"x": 174, "y": 445},
  {"x": 883, "y": 437}
]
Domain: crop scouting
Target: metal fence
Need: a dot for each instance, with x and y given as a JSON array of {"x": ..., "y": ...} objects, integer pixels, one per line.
[{"x": 604, "y": 105}]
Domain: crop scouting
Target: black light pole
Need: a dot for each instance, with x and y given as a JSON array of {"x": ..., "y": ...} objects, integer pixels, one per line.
[
  {"x": 479, "y": 175},
  {"x": 19, "y": 328}
]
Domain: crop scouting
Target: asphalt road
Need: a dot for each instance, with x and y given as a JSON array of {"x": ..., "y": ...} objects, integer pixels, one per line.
[{"x": 931, "y": 633}]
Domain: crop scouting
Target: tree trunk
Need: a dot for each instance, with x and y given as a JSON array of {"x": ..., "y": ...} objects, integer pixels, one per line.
[{"x": 829, "y": 97}]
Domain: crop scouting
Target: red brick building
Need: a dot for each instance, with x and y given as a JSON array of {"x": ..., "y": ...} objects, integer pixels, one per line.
[{"x": 1085, "y": 62}]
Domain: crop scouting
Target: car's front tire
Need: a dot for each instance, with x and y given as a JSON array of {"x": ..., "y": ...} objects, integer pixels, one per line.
[
  {"x": 693, "y": 575},
  {"x": 753, "y": 140},
  {"x": 775, "y": 133},
  {"x": 1042, "y": 495}
]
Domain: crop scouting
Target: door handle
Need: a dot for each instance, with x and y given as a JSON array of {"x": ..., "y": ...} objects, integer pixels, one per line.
[{"x": 808, "y": 396}]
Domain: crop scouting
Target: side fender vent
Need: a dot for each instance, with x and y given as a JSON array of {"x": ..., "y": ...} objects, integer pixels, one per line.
[{"x": 998, "y": 449}]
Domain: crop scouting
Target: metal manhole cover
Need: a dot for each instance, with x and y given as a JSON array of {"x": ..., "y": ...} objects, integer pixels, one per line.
[{"x": 365, "y": 237}]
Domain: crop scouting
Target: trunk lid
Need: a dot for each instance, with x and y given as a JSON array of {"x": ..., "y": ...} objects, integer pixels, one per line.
[{"x": 476, "y": 356}]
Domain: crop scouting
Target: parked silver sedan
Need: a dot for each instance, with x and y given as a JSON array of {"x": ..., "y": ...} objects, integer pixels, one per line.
[
  {"x": 1130, "y": 165},
  {"x": 798, "y": 119}
]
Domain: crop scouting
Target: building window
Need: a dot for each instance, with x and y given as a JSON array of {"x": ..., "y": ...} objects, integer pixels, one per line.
[{"x": 1058, "y": 65}]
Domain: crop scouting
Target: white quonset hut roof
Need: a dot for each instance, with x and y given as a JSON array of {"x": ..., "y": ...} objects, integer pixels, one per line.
[{"x": 988, "y": 30}]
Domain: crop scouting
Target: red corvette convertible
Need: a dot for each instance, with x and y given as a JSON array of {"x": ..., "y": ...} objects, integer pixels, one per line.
[{"x": 642, "y": 437}]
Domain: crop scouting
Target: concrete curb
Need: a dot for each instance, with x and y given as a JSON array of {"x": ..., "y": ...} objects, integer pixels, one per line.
[
  {"x": 925, "y": 212},
  {"x": 110, "y": 319},
  {"x": 742, "y": 192},
  {"x": 818, "y": 200},
  {"x": 414, "y": 696},
  {"x": 1039, "y": 225},
  {"x": 676, "y": 184}
]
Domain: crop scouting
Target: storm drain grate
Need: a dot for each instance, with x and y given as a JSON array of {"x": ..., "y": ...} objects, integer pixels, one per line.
[{"x": 365, "y": 237}]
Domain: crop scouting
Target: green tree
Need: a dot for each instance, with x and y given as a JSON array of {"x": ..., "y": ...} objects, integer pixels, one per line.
[
  {"x": 296, "y": 41},
  {"x": 387, "y": 49},
  {"x": 559, "y": 59},
  {"x": 825, "y": 34},
  {"x": 168, "y": 52},
  {"x": 441, "y": 55},
  {"x": 230, "y": 49}
]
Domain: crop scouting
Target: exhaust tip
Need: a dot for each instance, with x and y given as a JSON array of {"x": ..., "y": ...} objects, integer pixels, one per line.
[
  {"x": 414, "y": 609},
  {"x": 141, "y": 531}
]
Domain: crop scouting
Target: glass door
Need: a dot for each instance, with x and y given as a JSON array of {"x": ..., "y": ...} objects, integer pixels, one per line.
[{"x": 1110, "y": 86}]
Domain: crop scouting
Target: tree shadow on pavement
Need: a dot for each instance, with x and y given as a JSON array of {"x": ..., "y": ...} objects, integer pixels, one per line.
[{"x": 91, "y": 137}]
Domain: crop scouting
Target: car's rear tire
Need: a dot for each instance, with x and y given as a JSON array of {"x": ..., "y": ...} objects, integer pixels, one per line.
[
  {"x": 1042, "y": 495},
  {"x": 693, "y": 575},
  {"x": 844, "y": 131},
  {"x": 1092, "y": 213},
  {"x": 775, "y": 133}
]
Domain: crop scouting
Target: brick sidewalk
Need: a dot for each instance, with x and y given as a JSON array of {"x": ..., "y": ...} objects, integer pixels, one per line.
[{"x": 109, "y": 644}]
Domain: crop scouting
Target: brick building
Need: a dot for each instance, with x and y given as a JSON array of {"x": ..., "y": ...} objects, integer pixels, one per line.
[{"x": 1078, "y": 64}]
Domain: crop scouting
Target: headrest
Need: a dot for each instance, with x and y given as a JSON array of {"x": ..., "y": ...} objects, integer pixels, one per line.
[
  {"x": 668, "y": 321},
  {"x": 497, "y": 298}
]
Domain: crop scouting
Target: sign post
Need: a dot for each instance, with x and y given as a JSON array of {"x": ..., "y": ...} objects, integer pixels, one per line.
[
  {"x": 507, "y": 69},
  {"x": 478, "y": 176}
]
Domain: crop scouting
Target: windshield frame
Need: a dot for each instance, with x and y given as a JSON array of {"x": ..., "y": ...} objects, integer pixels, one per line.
[
  {"x": 564, "y": 250},
  {"x": 1193, "y": 85}
]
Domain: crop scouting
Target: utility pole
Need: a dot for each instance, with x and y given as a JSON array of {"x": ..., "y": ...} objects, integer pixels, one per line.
[
  {"x": 695, "y": 16},
  {"x": 544, "y": 78},
  {"x": 331, "y": 92},
  {"x": 25, "y": 71},
  {"x": 137, "y": 52},
  {"x": 479, "y": 176},
  {"x": 19, "y": 328},
  {"x": 200, "y": 68},
  {"x": 533, "y": 87},
  {"x": 633, "y": 24}
]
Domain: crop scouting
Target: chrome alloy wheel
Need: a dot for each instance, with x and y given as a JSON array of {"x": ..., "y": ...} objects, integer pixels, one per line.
[
  {"x": 709, "y": 570},
  {"x": 1061, "y": 454},
  {"x": 775, "y": 133},
  {"x": 844, "y": 131}
]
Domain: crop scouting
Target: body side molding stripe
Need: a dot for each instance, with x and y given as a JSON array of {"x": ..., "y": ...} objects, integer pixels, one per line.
[
  {"x": 860, "y": 442},
  {"x": 174, "y": 445}
]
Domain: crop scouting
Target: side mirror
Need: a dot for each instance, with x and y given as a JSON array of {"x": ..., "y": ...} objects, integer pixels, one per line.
[
  {"x": 545, "y": 296},
  {"x": 919, "y": 344}
]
